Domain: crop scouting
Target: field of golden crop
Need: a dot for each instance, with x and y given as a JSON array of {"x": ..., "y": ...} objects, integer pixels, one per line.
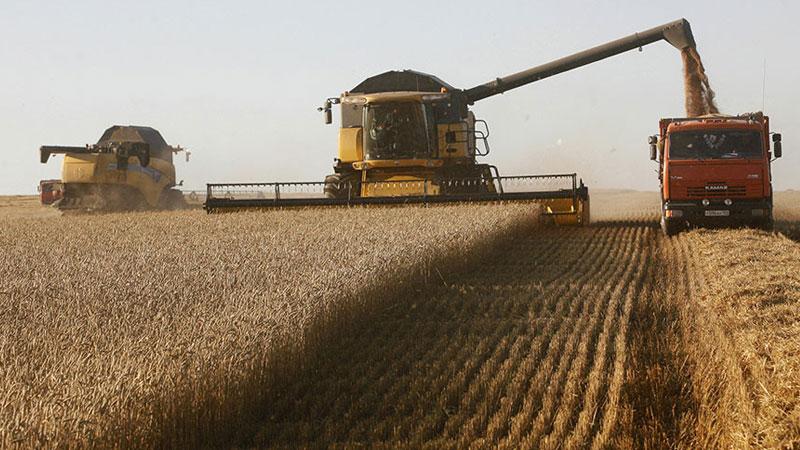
[{"x": 418, "y": 327}]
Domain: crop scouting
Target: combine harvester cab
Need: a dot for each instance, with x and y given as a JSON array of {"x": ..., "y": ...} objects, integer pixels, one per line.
[
  {"x": 715, "y": 171},
  {"x": 129, "y": 168},
  {"x": 409, "y": 137}
]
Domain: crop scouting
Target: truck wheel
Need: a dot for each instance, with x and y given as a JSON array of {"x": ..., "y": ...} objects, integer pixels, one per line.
[
  {"x": 767, "y": 225},
  {"x": 670, "y": 227}
]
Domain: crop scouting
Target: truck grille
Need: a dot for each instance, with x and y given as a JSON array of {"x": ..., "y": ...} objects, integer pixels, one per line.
[{"x": 716, "y": 190}]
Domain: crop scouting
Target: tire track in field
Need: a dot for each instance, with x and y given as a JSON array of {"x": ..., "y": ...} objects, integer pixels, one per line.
[{"x": 528, "y": 349}]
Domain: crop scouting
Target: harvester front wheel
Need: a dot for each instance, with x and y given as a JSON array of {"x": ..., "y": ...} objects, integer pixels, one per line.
[{"x": 341, "y": 186}]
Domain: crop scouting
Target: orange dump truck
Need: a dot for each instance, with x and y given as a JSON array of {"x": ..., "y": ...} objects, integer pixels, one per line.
[{"x": 715, "y": 170}]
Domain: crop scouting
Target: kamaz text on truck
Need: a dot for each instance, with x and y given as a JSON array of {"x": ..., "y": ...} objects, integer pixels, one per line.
[{"x": 715, "y": 170}]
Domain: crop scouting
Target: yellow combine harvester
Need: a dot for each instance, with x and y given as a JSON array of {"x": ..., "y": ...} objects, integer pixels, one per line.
[
  {"x": 129, "y": 168},
  {"x": 409, "y": 137}
]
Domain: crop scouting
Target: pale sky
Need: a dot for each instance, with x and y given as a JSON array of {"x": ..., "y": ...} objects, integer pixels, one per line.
[{"x": 238, "y": 83}]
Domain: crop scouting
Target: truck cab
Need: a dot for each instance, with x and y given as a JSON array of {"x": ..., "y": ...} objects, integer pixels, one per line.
[{"x": 715, "y": 171}]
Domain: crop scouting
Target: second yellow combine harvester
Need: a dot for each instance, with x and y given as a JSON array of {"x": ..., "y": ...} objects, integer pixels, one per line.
[
  {"x": 409, "y": 137},
  {"x": 129, "y": 168}
]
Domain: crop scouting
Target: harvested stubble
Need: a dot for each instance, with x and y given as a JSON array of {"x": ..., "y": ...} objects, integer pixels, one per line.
[
  {"x": 715, "y": 344},
  {"x": 787, "y": 213},
  {"x": 745, "y": 323},
  {"x": 151, "y": 329}
]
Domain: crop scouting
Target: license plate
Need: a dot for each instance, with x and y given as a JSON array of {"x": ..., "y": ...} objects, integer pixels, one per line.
[{"x": 718, "y": 213}]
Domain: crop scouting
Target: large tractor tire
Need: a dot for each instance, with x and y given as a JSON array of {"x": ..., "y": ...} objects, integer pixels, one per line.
[{"x": 341, "y": 186}]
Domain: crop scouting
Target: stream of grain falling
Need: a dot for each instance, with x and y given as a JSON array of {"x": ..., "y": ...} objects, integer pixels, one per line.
[{"x": 699, "y": 95}]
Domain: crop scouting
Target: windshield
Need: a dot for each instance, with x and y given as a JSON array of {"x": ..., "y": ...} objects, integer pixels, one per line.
[
  {"x": 718, "y": 144},
  {"x": 397, "y": 131}
]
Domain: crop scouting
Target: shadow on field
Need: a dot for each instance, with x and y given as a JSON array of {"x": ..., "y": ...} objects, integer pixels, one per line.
[
  {"x": 659, "y": 408},
  {"x": 646, "y": 223},
  {"x": 406, "y": 374},
  {"x": 418, "y": 369},
  {"x": 452, "y": 362},
  {"x": 468, "y": 352}
]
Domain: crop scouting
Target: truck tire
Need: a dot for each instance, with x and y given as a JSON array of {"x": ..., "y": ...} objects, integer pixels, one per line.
[
  {"x": 670, "y": 227},
  {"x": 767, "y": 225}
]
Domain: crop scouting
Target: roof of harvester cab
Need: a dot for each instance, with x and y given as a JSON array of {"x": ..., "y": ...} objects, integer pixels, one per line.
[{"x": 131, "y": 133}]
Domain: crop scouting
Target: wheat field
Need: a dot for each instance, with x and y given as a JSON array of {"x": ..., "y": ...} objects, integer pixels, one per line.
[{"x": 448, "y": 327}]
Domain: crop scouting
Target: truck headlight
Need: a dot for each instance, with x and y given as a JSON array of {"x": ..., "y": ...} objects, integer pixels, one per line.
[
  {"x": 728, "y": 202},
  {"x": 705, "y": 202}
]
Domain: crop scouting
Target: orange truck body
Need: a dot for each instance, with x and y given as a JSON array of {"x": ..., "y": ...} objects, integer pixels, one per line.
[{"x": 715, "y": 170}]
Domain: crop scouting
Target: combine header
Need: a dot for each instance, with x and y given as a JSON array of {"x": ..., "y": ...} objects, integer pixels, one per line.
[
  {"x": 563, "y": 196},
  {"x": 409, "y": 137}
]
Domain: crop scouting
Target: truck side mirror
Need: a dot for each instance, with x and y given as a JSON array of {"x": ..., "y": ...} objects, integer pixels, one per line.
[
  {"x": 653, "y": 141},
  {"x": 776, "y": 145}
]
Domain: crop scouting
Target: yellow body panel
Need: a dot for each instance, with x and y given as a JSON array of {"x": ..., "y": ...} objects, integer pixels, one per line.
[
  {"x": 393, "y": 163},
  {"x": 458, "y": 149},
  {"x": 378, "y": 184},
  {"x": 351, "y": 144},
  {"x": 564, "y": 212},
  {"x": 101, "y": 169}
]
